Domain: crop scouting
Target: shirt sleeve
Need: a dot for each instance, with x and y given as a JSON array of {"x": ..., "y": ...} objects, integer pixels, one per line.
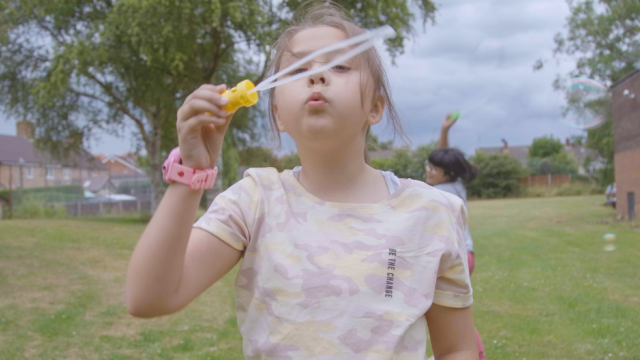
[
  {"x": 453, "y": 285},
  {"x": 231, "y": 216}
]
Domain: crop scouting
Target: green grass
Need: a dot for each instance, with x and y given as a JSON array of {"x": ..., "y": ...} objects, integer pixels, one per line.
[
  {"x": 61, "y": 297},
  {"x": 544, "y": 289}
]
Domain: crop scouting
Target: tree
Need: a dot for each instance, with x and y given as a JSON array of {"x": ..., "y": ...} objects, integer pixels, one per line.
[
  {"x": 561, "y": 163},
  {"x": 406, "y": 164},
  {"x": 78, "y": 67},
  {"x": 290, "y": 161},
  {"x": 257, "y": 156},
  {"x": 602, "y": 35},
  {"x": 577, "y": 140},
  {"x": 420, "y": 156},
  {"x": 373, "y": 144},
  {"x": 402, "y": 163},
  {"x": 546, "y": 156},
  {"x": 545, "y": 146},
  {"x": 498, "y": 175}
]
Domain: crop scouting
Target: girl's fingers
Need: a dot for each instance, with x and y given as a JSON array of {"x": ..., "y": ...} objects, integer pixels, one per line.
[
  {"x": 196, "y": 122},
  {"x": 209, "y": 92},
  {"x": 199, "y": 106},
  {"x": 212, "y": 97}
]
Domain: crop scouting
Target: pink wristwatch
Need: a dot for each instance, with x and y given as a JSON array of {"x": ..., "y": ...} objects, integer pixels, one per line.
[{"x": 173, "y": 171}]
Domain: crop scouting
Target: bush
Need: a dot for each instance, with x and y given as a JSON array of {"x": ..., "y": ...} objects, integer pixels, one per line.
[
  {"x": 562, "y": 163},
  {"x": 571, "y": 189},
  {"x": 31, "y": 208},
  {"x": 406, "y": 164},
  {"x": 289, "y": 161},
  {"x": 50, "y": 194},
  {"x": 498, "y": 176}
]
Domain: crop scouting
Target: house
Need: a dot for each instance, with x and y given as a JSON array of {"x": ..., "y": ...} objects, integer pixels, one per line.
[
  {"x": 125, "y": 175},
  {"x": 121, "y": 164},
  {"x": 518, "y": 152},
  {"x": 578, "y": 152},
  {"x": 100, "y": 185},
  {"x": 22, "y": 165},
  {"x": 626, "y": 137}
]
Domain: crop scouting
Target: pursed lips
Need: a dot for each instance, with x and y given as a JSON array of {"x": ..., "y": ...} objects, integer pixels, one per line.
[{"x": 316, "y": 99}]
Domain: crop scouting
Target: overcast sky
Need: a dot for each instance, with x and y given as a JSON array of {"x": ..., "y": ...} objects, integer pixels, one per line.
[{"x": 478, "y": 59}]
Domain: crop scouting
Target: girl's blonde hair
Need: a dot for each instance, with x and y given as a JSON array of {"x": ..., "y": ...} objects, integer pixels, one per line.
[{"x": 325, "y": 13}]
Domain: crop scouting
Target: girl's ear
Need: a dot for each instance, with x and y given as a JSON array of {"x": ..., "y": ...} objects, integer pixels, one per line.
[
  {"x": 377, "y": 110},
  {"x": 279, "y": 123}
]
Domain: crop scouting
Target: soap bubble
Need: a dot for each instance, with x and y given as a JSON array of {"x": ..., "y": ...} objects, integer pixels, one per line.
[{"x": 586, "y": 100}]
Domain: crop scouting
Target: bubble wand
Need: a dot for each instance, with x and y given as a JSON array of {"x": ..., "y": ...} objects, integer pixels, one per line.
[{"x": 246, "y": 93}]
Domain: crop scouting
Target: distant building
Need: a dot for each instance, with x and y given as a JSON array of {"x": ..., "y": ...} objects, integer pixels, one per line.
[
  {"x": 580, "y": 154},
  {"x": 626, "y": 135},
  {"x": 121, "y": 164},
  {"x": 24, "y": 166},
  {"x": 126, "y": 176},
  {"x": 518, "y": 152},
  {"x": 99, "y": 185}
]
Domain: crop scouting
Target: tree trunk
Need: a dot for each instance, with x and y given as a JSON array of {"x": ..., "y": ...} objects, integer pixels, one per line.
[{"x": 155, "y": 165}]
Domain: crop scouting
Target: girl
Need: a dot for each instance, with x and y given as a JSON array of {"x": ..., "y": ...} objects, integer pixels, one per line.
[
  {"x": 446, "y": 170},
  {"x": 337, "y": 260}
]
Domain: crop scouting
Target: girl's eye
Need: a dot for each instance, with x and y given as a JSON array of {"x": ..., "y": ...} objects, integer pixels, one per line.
[
  {"x": 297, "y": 71},
  {"x": 341, "y": 68}
]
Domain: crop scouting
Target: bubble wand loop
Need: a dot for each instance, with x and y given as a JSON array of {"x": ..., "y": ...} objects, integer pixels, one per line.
[
  {"x": 346, "y": 56},
  {"x": 246, "y": 93}
]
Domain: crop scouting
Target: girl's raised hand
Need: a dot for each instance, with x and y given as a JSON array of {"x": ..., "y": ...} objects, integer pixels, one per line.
[
  {"x": 201, "y": 126},
  {"x": 448, "y": 122}
]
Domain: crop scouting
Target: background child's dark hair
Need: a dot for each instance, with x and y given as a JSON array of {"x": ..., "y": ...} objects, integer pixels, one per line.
[{"x": 454, "y": 164}]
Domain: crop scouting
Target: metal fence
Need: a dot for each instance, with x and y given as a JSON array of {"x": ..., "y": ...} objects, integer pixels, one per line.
[
  {"x": 548, "y": 180},
  {"x": 84, "y": 208}
]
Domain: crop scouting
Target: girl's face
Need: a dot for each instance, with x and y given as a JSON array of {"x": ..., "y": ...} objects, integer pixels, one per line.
[
  {"x": 435, "y": 175},
  {"x": 325, "y": 109}
]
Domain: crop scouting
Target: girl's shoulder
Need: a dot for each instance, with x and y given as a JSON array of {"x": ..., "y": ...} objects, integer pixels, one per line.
[
  {"x": 421, "y": 191},
  {"x": 261, "y": 179}
]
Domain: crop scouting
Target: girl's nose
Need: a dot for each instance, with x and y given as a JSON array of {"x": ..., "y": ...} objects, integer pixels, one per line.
[{"x": 318, "y": 79}]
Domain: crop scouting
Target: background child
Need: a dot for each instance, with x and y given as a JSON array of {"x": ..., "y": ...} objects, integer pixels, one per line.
[
  {"x": 338, "y": 260},
  {"x": 446, "y": 170}
]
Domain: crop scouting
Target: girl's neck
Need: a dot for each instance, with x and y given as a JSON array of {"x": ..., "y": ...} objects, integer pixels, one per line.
[{"x": 341, "y": 175}]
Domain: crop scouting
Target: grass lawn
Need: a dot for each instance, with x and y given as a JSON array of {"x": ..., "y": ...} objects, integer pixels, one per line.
[{"x": 544, "y": 289}]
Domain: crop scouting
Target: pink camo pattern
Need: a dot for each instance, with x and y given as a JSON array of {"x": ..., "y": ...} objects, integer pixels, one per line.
[{"x": 322, "y": 280}]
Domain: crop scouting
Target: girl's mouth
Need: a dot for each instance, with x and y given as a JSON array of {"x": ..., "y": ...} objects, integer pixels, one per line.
[{"x": 316, "y": 100}]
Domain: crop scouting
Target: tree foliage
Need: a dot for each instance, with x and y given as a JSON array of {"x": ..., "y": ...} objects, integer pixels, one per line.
[
  {"x": 256, "y": 156},
  {"x": 79, "y": 67},
  {"x": 374, "y": 144},
  {"x": 545, "y": 146},
  {"x": 290, "y": 161},
  {"x": 561, "y": 163},
  {"x": 498, "y": 175},
  {"x": 405, "y": 163},
  {"x": 546, "y": 156}
]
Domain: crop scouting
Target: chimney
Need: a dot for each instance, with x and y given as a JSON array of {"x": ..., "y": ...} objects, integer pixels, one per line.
[
  {"x": 506, "y": 145},
  {"x": 567, "y": 142},
  {"x": 25, "y": 129}
]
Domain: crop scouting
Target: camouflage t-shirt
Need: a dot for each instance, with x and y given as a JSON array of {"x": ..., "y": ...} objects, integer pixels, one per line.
[{"x": 321, "y": 280}]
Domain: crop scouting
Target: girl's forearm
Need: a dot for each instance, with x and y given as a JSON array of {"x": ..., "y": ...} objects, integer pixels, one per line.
[
  {"x": 460, "y": 355},
  {"x": 443, "y": 140},
  {"x": 157, "y": 263}
]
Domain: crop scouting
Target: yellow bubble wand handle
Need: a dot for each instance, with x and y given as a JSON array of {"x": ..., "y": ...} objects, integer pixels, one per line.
[{"x": 239, "y": 96}]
